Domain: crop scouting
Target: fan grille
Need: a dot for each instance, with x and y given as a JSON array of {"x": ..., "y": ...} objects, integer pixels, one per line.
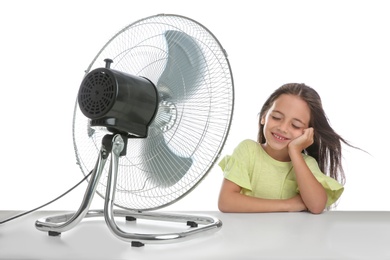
[
  {"x": 194, "y": 116},
  {"x": 97, "y": 93}
]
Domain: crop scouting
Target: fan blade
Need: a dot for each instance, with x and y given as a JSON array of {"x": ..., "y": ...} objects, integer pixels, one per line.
[
  {"x": 180, "y": 78},
  {"x": 90, "y": 130},
  {"x": 164, "y": 167},
  {"x": 183, "y": 69}
]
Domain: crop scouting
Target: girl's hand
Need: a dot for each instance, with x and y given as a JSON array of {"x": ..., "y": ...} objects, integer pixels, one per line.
[
  {"x": 302, "y": 142},
  {"x": 296, "y": 204}
]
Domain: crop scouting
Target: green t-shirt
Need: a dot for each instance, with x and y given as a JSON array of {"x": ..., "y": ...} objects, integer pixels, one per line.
[{"x": 259, "y": 175}]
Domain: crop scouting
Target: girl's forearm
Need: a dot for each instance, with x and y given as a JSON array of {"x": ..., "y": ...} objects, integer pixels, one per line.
[
  {"x": 231, "y": 200},
  {"x": 312, "y": 193}
]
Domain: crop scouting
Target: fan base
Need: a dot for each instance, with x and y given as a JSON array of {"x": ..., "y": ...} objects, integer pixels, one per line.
[
  {"x": 198, "y": 225},
  {"x": 57, "y": 224}
]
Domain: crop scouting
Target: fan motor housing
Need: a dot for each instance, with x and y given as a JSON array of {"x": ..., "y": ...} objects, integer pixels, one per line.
[{"x": 119, "y": 101}]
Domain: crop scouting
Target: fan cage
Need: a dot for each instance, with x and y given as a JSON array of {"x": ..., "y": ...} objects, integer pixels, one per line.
[{"x": 197, "y": 119}]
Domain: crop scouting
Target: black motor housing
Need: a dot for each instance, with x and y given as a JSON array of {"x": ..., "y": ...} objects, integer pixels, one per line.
[{"x": 121, "y": 102}]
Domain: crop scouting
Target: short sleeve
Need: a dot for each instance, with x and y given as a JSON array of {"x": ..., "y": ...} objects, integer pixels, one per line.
[
  {"x": 236, "y": 166},
  {"x": 332, "y": 187}
]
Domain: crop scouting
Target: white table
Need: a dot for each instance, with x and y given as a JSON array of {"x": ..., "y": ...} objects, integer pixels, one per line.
[{"x": 331, "y": 235}]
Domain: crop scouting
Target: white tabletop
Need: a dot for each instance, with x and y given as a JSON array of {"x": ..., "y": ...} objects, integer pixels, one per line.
[{"x": 330, "y": 235}]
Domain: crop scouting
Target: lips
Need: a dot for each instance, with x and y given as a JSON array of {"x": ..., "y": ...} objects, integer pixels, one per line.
[{"x": 279, "y": 137}]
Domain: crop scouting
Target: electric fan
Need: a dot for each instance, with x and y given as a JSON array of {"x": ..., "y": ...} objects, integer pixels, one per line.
[{"x": 156, "y": 103}]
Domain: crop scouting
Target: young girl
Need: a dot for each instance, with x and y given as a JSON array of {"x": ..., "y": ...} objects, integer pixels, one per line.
[{"x": 295, "y": 165}]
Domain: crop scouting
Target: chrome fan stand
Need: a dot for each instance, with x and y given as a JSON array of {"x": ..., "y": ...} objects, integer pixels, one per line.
[{"x": 114, "y": 145}]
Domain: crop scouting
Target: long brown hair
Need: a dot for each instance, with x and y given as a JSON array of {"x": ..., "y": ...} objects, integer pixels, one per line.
[{"x": 326, "y": 148}]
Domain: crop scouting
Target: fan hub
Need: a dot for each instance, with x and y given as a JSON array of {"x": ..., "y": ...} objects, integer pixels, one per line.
[{"x": 166, "y": 116}]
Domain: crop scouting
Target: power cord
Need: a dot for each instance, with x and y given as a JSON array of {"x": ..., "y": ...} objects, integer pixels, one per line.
[{"x": 44, "y": 205}]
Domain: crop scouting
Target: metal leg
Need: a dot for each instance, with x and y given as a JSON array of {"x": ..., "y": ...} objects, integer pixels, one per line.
[
  {"x": 210, "y": 223},
  {"x": 207, "y": 224},
  {"x": 57, "y": 224}
]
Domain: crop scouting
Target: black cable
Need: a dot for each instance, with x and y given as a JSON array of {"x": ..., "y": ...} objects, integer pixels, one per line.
[{"x": 44, "y": 205}]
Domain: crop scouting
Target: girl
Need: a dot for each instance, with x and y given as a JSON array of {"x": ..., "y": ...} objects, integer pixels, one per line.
[{"x": 295, "y": 165}]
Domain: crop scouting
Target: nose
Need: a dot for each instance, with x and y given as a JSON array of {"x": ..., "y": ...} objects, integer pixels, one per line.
[{"x": 283, "y": 127}]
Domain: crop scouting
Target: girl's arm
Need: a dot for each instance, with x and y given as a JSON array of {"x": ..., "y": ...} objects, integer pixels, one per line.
[
  {"x": 311, "y": 191},
  {"x": 231, "y": 200}
]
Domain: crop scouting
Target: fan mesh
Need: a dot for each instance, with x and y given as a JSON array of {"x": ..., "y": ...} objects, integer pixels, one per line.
[{"x": 193, "y": 119}]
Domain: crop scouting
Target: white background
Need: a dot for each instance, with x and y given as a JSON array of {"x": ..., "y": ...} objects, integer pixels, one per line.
[{"x": 341, "y": 48}]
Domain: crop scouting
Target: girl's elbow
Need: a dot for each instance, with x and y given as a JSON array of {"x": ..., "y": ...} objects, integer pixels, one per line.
[
  {"x": 224, "y": 206},
  {"x": 222, "y": 209},
  {"x": 317, "y": 209}
]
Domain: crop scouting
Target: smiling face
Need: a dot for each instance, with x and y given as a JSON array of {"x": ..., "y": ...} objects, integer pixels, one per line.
[{"x": 286, "y": 119}]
